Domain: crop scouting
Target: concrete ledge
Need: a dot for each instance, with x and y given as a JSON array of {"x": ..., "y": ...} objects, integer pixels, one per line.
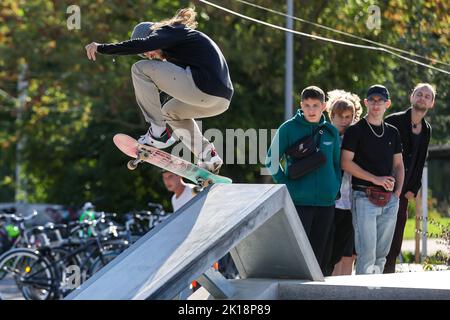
[
  {"x": 432, "y": 285},
  {"x": 246, "y": 289}
]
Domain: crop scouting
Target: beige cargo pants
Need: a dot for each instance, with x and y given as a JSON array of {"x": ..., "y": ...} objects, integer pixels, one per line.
[{"x": 188, "y": 102}]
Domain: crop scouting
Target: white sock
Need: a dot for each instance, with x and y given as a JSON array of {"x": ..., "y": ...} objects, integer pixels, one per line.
[
  {"x": 157, "y": 131},
  {"x": 205, "y": 151}
]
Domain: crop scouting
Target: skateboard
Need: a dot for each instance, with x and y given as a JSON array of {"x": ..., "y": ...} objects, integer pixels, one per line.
[{"x": 144, "y": 153}]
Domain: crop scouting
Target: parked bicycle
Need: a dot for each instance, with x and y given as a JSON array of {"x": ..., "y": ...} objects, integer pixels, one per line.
[{"x": 49, "y": 261}]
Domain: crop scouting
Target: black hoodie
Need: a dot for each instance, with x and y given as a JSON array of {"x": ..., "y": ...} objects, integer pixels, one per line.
[{"x": 184, "y": 47}]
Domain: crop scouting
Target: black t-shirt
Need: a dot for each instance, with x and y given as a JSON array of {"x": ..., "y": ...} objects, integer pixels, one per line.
[
  {"x": 415, "y": 143},
  {"x": 373, "y": 154}
]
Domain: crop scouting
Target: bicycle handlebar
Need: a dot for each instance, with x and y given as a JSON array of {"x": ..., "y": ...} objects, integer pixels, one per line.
[
  {"x": 155, "y": 205},
  {"x": 18, "y": 219}
]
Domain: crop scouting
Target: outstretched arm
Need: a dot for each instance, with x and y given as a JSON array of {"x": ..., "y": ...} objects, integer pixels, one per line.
[
  {"x": 159, "y": 39},
  {"x": 135, "y": 46}
]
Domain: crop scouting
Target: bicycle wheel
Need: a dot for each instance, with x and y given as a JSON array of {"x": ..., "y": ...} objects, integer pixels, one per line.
[
  {"x": 27, "y": 275},
  {"x": 62, "y": 259},
  {"x": 99, "y": 258},
  {"x": 102, "y": 261}
]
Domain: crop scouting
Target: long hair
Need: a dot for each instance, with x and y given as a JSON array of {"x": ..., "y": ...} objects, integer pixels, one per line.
[
  {"x": 184, "y": 16},
  {"x": 340, "y": 101}
]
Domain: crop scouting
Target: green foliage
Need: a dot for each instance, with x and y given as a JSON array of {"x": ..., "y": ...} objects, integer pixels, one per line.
[
  {"x": 433, "y": 210},
  {"x": 75, "y": 106},
  {"x": 408, "y": 257},
  {"x": 433, "y": 230},
  {"x": 440, "y": 257}
]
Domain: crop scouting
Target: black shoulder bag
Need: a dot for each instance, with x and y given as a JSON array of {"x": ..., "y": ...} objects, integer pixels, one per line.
[{"x": 306, "y": 155}]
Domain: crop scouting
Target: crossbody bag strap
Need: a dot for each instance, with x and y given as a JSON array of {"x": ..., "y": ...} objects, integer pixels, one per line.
[{"x": 318, "y": 130}]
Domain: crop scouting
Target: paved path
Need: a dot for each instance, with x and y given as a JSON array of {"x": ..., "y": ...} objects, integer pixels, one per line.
[{"x": 9, "y": 290}]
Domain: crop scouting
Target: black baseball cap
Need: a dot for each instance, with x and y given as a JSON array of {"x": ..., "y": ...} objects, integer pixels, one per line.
[{"x": 378, "y": 90}]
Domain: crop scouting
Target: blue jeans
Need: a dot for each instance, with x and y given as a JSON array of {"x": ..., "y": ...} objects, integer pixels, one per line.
[{"x": 374, "y": 229}]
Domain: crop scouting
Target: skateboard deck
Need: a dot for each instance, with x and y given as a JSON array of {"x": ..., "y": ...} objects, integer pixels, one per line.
[{"x": 144, "y": 153}]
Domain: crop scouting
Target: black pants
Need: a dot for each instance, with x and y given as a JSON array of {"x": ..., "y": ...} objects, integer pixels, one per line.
[
  {"x": 318, "y": 225},
  {"x": 396, "y": 245},
  {"x": 343, "y": 236}
]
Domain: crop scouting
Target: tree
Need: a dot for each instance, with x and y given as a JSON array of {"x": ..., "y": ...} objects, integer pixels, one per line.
[{"x": 75, "y": 106}]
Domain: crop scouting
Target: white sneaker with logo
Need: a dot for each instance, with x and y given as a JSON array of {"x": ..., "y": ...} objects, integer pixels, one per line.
[
  {"x": 165, "y": 141},
  {"x": 209, "y": 159}
]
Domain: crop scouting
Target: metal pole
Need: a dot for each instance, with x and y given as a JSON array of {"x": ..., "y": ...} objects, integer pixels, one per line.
[
  {"x": 289, "y": 76},
  {"x": 416, "y": 229},
  {"x": 22, "y": 88},
  {"x": 424, "y": 209}
]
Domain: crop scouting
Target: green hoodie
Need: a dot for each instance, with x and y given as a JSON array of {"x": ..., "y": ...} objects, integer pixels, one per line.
[{"x": 319, "y": 187}]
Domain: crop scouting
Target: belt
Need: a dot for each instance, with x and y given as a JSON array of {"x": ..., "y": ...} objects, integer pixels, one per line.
[{"x": 363, "y": 188}]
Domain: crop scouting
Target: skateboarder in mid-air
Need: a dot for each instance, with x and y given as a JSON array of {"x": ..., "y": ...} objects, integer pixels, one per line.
[{"x": 188, "y": 66}]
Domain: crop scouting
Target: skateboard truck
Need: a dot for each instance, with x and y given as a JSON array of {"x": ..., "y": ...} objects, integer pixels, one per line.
[
  {"x": 142, "y": 155},
  {"x": 201, "y": 184}
]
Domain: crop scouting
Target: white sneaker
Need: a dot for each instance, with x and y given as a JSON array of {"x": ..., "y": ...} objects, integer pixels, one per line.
[
  {"x": 209, "y": 159},
  {"x": 165, "y": 141}
]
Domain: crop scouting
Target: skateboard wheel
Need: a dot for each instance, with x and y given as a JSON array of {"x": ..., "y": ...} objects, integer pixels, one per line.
[
  {"x": 131, "y": 165},
  {"x": 197, "y": 189}
]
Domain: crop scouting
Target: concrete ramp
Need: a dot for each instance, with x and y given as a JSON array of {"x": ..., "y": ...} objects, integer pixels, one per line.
[{"x": 257, "y": 223}]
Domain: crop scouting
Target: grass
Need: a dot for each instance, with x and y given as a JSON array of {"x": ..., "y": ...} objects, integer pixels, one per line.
[{"x": 432, "y": 229}]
